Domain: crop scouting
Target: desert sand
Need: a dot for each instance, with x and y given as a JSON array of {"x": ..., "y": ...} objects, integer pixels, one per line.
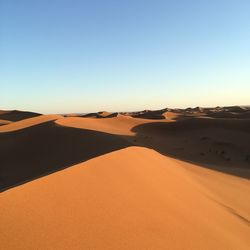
[
  {"x": 166, "y": 179},
  {"x": 27, "y": 123},
  {"x": 4, "y": 122},
  {"x": 16, "y": 115}
]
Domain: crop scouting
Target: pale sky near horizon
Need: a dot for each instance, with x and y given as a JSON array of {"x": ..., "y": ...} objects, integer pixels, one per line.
[{"x": 59, "y": 56}]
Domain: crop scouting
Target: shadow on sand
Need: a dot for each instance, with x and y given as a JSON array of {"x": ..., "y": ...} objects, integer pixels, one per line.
[
  {"x": 45, "y": 148},
  {"x": 222, "y": 145}
]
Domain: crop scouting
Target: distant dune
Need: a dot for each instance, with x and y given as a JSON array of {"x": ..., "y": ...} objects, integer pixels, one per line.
[
  {"x": 101, "y": 114},
  {"x": 148, "y": 114},
  {"x": 29, "y": 122},
  {"x": 120, "y": 125},
  {"x": 163, "y": 179},
  {"x": 16, "y": 115}
]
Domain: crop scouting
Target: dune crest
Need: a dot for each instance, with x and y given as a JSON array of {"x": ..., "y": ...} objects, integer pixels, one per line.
[
  {"x": 120, "y": 125},
  {"x": 16, "y": 115},
  {"x": 133, "y": 198},
  {"x": 26, "y": 123}
]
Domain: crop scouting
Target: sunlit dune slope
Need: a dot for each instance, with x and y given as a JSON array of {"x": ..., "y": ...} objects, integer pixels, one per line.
[
  {"x": 121, "y": 125},
  {"x": 227, "y": 190},
  {"x": 133, "y": 198},
  {"x": 4, "y": 122},
  {"x": 29, "y": 122}
]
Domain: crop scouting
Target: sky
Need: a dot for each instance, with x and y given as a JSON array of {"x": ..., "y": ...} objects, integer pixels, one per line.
[{"x": 59, "y": 56}]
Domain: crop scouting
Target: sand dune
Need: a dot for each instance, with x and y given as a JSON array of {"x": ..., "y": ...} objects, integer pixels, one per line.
[
  {"x": 29, "y": 122},
  {"x": 223, "y": 144},
  {"x": 220, "y": 144},
  {"x": 120, "y": 125},
  {"x": 101, "y": 114},
  {"x": 130, "y": 199},
  {"x": 170, "y": 115},
  {"x": 26, "y": 154},
  {"x": 4, "y": 122},
  {"x": 148, "y": 114},
  {"x": 16, "y": 115},
  {"x": 231, "y": 115},
  {"x": 130, "y": 183}
]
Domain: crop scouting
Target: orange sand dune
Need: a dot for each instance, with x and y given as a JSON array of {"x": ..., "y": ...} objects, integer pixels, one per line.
[
  {"x": 41, "y": 149},
  {"x": 4, "y": 122},
  {"x": 222, "y": 143},
  {"x": 170, "y": 115},
  {"x": 133, "y": 198},
  {"x": 117, "y": 195},
  {"x": 227, "y": 190},
  {"x": 28, "y": 122},
  {"x": 121, "y": 125}
]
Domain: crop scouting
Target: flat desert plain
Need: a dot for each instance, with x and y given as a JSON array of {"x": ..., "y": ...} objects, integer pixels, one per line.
[{"x": 161, "y": 179}]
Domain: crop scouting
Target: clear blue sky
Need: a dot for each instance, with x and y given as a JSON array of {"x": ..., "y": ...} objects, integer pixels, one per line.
[{"x": 84, "y": 56}]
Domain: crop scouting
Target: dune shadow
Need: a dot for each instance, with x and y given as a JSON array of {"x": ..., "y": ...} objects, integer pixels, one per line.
[
  {"x": 150, "y": 116},
  {"x": 220, "y": 145},
  {"x": 99, "y": 115},
  {"x": 16, "y": 115},
  {"x": 45, "y": 148}
]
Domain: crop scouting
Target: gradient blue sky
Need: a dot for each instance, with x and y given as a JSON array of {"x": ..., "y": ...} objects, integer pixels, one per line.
[{"x": 84, "y": 56}]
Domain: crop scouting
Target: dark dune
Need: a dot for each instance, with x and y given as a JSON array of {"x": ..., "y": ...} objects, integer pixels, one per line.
[
  {"x": 196, "y": 109},
  {"x": 89, "y": 115},
  {"x": 237, "y": 109},
  {"x": 39, "y": 150},
  {"x": 102, "y": 114},
  {"x": 202, "y": 123},
  {"x": 230, "y": 115},
  {"x": 223, "y": 145},
  {"x": 16, "y": 115},
  {"x": 148, "y": 114}
]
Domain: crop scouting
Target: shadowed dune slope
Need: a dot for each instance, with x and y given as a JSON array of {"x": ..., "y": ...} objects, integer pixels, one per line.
[
  {"x": 133, "y": 198},
  {"x": 230, "y": 115},
  {"x": 154, "y": 115},
  {"x": 220, "y": 144},
  {"x": 42, "y": 149},
  {"x": 16, "y": 115},
  {"x": 101, "y": 114}
]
